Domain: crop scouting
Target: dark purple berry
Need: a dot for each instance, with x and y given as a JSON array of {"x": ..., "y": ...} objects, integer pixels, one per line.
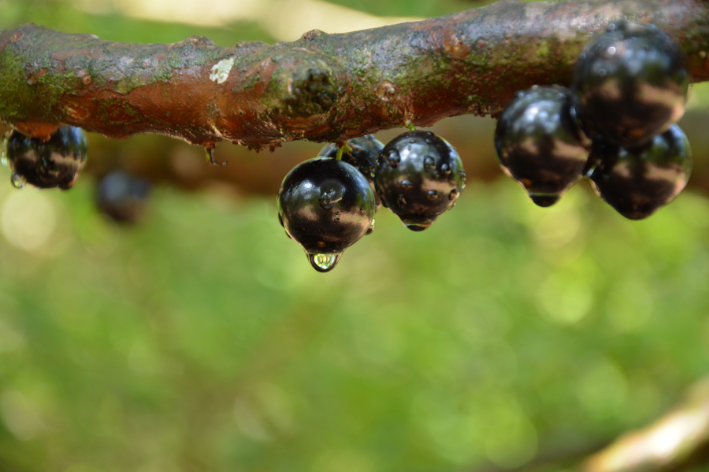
[
  {"x": 326, "y": 206},
  {"x": 418, "y": 177},
  {"x": 363, "y": 156},
  {"x": 122, "y": 197},
  {"x": 539, "y": 144},
  {"x": 55, "y": 163},
  {"x": 637, "y": 182},
  {"x": 631, "y": 84}
]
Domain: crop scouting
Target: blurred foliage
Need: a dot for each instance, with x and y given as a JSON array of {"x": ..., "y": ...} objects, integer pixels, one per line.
[{"x": 201, "y": 340}]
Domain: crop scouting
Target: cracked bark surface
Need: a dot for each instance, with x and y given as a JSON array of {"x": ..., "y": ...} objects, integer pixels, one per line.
[{"x": 321, "y": 87}]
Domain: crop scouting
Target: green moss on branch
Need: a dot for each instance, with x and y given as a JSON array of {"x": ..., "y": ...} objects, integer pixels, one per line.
[{"x": 321, "y": 87}]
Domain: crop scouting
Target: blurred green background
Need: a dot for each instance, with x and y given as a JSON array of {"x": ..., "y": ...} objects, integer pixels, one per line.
[{"x": 202, "y": 340}]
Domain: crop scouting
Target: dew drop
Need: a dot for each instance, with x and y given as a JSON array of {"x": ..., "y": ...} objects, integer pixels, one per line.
[
  {"x": 392, "y": 158},
  {"x": 454, "y": 194},
  {"x": 17, "y": 180},
  {"x": 432, "y": 195},
  {"x": 429, "y": 163},
  {"x": 4, "y": 161},
  {"x": 329, "y": 198},
  {"x": 445, "y": 170},
  {"x": 611, "y": 50},
  {"x": 401, "y": 201},
  {"x": 404, "y": 183},
  {"x": 602, "y": 73},
  {"x": 324, "y": 262}
]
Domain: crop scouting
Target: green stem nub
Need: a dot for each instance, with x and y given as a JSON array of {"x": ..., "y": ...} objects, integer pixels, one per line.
[
  {"x": 343, "y": 149},
  {"x": 410, "y": 125}
]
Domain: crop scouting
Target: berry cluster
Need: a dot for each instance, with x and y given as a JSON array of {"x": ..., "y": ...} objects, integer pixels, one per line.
[
  {"x": 327, "y": 204},
  {"x": 615, "y": 125}
]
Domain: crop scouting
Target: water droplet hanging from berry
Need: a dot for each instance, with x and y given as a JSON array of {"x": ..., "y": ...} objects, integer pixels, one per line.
[
  {"x": 325, "y": 205},
  {"x": 50, "y": 164}
]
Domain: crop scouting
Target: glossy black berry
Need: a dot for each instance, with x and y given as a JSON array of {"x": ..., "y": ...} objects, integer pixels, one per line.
[
  {"x": 55, "y": 163},
  {"x": 418, "y": 177},
  {"x": 122, "y": 197},
  {"x": 631, "y": 84},
  {"x": 637, "y": 182},
  {"x": 539, "y": 144},
  {"x": 363, "y": 155},
  {"x": 326, "y": 206}
]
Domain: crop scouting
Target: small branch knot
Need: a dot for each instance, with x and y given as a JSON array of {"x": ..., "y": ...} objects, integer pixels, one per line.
[{"x": 310, "y": 91}]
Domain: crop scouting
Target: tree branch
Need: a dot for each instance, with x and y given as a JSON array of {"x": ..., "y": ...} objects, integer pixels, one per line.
[
  {"x": 321, "y": 87},
  {"x": 677, "y": 441}
]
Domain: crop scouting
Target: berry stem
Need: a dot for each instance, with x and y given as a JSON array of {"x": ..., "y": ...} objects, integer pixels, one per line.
[
  {"x": 210, "y": 157},
  {"x": 343, "y": 149}
]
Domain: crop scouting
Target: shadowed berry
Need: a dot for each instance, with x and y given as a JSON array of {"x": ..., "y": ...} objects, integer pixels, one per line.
[
  {"x": 631, "y": 84},
  {"x": 55, "y": 163},
  {"x": 363, "y": 155},
  {"x": 326, "y": 206},
  {"x": 418, "y": 177},
  {"x": 637, "y": 182},
  {"x": 122, "y": 197},
  {"x": 539, "y": 144}
]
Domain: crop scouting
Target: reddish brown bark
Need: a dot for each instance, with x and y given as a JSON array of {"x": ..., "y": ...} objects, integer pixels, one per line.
[{"x": 321, "y": 87}]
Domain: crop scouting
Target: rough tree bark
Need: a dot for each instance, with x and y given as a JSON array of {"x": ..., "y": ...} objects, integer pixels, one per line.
[{"x": 321, "y": 87}]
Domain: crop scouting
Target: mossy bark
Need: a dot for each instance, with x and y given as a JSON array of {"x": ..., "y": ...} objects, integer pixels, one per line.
[{"x": 321, "y": 87}]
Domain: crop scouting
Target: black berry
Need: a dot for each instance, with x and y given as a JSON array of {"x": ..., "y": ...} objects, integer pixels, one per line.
[
  {"x": 122, "y": 197},
  {"x": 539, "y": 144},
  {"x": 363, "y": 156},
  {"x": 325, "y": 205},
  {"x": 631, "y": 84},
  {"x": 637, "y": 182},
  {"x": 418, "y": 177},
  {"x": 55, "y": 163}
]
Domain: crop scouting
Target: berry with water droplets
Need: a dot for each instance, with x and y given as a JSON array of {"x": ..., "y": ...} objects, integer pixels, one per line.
[
  {"x": 639, "y": 181},
  {"x": 418, "y": 177},
  {"x": 326, "y": 206},
  {"x": 539, "y": 144},
  {"x": 362, "y": 155},
  {"x": 54, "y": 163},
  {"x": 122, "y": 197},
  {"x": 630, "y": 84}
]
